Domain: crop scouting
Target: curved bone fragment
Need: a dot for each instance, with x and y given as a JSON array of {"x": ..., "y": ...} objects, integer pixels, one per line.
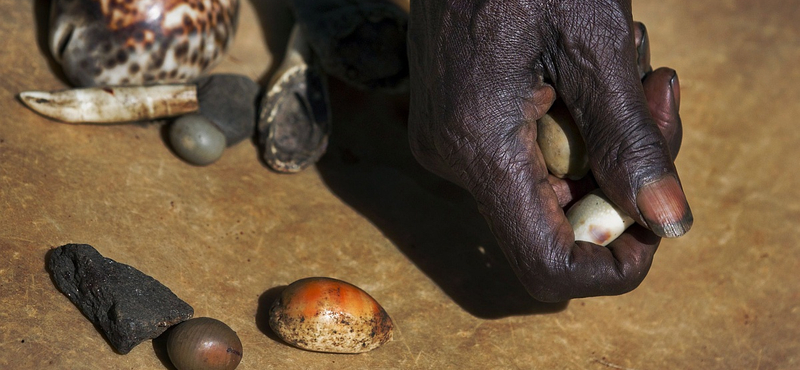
[
  {"x": 295, "y": 121},
  {"x": 113, "y": 104},
  {"x": 594, "y": 218}
]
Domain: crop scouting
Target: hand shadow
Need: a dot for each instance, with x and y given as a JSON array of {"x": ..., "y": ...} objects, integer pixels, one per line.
[
  {"x": 436, "y": 224},
  {"x": 275, "y": 19}
]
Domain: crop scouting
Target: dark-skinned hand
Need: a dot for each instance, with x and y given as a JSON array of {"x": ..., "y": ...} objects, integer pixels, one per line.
[{"x": 482, "y": 73}]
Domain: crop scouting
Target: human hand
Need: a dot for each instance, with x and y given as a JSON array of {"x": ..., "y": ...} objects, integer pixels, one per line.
[{"x": 482, "y": 74}]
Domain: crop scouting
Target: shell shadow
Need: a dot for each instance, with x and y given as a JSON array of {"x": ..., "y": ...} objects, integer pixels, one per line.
[
  {"x": 265, "y": 301},
  {"x": 41, "y": 13},
  {"x": 436, "y": 224},
  {"x": 160, "y": 349}
]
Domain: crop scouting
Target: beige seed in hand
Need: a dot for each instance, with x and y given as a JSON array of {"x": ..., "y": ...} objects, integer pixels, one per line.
[
  {"x": 329, "y": 315},
  {"x": 594, "y": 218},
  {"x": 561, "y": 143}
]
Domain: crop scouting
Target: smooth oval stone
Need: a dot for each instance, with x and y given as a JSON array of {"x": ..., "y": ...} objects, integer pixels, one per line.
[
  {"x": 103, "y": 43},
  {"x": 195, "y": 139},
  {"x": 204, "y": 343}
]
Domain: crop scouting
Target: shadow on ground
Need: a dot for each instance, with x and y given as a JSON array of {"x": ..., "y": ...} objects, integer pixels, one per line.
[
  {"x": 275, "y": 19},
  {"x": 265, "y": 301},
  {"x": 434, "y": 223}
]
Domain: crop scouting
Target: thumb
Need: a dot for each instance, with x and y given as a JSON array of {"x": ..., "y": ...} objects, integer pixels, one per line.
[{"x": 596, "y": 76}]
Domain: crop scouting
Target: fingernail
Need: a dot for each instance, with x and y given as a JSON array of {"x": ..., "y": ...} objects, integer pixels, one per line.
[
  {"x": 664, "y": 207},
  {"x": 641, "y": 38},
  {"x": 675, "y": 85},
  {"x": 642, "y": 50}
]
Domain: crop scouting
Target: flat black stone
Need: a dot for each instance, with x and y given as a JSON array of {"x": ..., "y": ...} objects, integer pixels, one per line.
[
  {"x": 126, "y": 305},
  {"x": 230, "y": 102}
]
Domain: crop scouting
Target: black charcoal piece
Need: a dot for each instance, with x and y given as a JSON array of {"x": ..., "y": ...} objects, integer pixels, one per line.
[
  {"x": 127, "y": 306},
  {"x": 230, "y": 102}
]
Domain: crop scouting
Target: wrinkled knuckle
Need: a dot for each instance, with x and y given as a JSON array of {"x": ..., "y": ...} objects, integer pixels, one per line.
[
  {"x": 546, "y": 292},
  {"x": 549, "y": 284},
  {"x": 424, "y": 142},
  {"x": 640, "y": 148},
  {"x": 629, "y": 281},
  {"x": 631, "y": 150}
]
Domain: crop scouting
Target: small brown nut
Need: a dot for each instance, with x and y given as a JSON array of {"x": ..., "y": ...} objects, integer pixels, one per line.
[
  {"x": 329, "y": 315},
  {"x": 561, "y": 143},
  {"x": 204, "y": 344},
  {"x": 594, "y": 218}
]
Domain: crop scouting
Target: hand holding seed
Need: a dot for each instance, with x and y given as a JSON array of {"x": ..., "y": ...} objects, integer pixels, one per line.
[{"x": 473, "y": 107}]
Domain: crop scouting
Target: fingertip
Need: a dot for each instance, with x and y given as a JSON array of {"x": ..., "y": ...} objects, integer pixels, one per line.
[
  {"x": 569, "y": 191},
  {"x": 664, "y": 208},
  {"x": 542, "y": 101},
  {"x": 635, "y": 250},
  {"x": 675, "y": 84}
]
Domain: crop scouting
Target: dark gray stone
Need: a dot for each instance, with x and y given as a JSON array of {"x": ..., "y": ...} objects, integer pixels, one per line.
[
  {"x": 127, "y": 306},
  {"x": 230, "y": 102}
]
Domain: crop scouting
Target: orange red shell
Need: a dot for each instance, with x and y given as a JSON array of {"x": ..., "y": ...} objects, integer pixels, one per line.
[{"x": 329, "y": 315}]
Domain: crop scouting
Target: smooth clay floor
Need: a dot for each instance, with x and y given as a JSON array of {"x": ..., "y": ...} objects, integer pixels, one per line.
[{"x": 226, "y": 237}]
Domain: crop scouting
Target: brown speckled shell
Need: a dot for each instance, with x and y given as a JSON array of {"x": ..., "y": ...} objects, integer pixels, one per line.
[
  {"x": 329, "y": 315},
  {"x": 121, "y": 42}
]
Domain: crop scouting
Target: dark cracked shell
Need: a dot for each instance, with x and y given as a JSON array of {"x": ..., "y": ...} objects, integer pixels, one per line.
[
  {"x": 140, "y": 41},
  {"x": 329, "y": 315},
  {"x": 295, "y": 115}
]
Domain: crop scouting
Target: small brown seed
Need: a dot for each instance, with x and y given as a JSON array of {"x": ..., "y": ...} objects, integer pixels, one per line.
[
  {"x": 561, "y": 144},
  {"x": 204, "y": 344},
  {"x": 329, "y": 315}
]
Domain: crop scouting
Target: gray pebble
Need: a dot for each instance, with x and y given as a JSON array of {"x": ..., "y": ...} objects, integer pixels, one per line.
[{"x": 195, "y": 139}]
